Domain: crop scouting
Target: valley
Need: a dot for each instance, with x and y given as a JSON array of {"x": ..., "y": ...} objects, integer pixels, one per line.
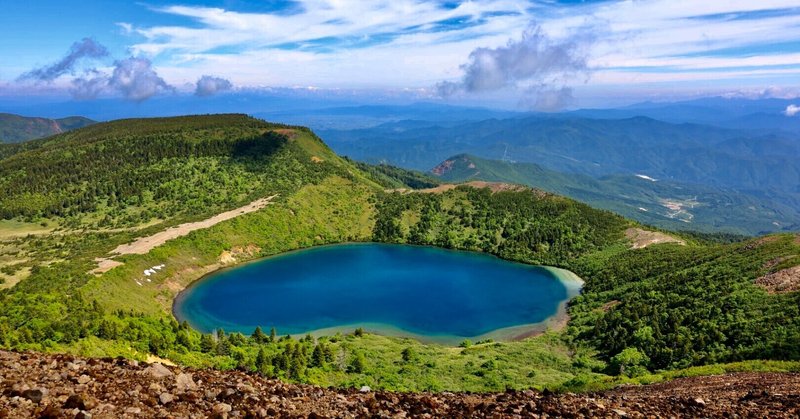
[
  {"x": 747, "y": 178},
  {"x": 662, "y": 203}
]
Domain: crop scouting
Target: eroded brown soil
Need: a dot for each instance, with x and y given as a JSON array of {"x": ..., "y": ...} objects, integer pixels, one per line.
[
  {"x": 62, "y": 386},
  {"x": 785, "y": 280}
]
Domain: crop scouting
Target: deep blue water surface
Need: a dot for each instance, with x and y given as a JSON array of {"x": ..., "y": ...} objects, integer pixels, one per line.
[{"x": 417, "y": 291}]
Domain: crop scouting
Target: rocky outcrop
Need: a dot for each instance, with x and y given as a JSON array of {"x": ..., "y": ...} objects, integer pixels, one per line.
[
  {"x": 443, "y": 167},
  {"x": 63, "y": 386},
  {"x": 785, "y": 280}
]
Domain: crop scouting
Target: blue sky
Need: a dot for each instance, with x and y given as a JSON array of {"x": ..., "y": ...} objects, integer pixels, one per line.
[{"x": 541, "y": 54}]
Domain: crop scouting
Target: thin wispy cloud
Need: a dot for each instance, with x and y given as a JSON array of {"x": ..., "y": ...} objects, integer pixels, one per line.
[
  {"x": 642, "y": 38},
  {"x": 395, "y": 44},
  {"x": 326, "y": 26}
]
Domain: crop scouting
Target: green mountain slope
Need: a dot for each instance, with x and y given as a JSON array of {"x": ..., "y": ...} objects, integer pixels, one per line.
[
  {"x": 16, "y": 128},
  {"x": 663, "y": 307},
  {"x": 128, "y": 172},
  {"x": 666, "y": 204}
]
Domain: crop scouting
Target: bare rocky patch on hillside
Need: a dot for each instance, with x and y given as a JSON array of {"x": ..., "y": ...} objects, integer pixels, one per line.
[
  {"x": 785, "y": 280},
  {"x": 643, "y": 238}
]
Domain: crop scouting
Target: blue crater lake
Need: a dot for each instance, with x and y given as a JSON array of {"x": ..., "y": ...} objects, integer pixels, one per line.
[{"x": 427, "y": 293}]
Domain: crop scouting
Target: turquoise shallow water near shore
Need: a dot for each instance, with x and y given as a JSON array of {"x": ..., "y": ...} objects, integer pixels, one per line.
[{"x": 423, "y": 292}]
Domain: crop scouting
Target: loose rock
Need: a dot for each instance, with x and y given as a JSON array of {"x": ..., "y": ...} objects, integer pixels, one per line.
[
  {"x": 158, "y": 371},
  {"x": 122, "y": 389},
  {"x": 74, "y": 402},
  {"x": 34, "y": 395},
  {"x": 165, "y": 398},
  {"x": 184, "y": 382},
  {"x": 222, "y": 408}
]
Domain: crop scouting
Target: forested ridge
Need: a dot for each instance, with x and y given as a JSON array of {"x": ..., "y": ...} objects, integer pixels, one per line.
[
  {"x": 121, "y": 163},
  {"x": 524, "y": 225},
  {"x": 642, "y": 312},
  {"x": 702, "y": 208}
]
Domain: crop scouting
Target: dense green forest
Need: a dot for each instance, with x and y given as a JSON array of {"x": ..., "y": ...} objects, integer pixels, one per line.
[
  {"x": 523, "y": 225},
  {"x": 681, "y": 306},
  {"x": 644, "y": 313},
  {"x": 394, "y": 177},
  {"x": 128, "y": 172}
]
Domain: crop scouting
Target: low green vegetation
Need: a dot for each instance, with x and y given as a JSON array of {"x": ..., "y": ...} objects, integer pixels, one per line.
[
  {"x": 123, "y": 173},
  {"x": 645, "y": 315},
  {"x": 682, "y": 306}
]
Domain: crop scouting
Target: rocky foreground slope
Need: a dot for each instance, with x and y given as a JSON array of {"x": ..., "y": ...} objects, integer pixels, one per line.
[{"x": 63, "y": 386}]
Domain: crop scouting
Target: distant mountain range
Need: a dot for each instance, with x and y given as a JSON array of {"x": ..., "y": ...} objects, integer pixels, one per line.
[
  {"x": 754, "y": 172},
  {"x": 666, "y": 204},
  {"x": 761, "y": 114},
  {"x": 681, "y": 152},
  {"x": 16, "y": 128},
  {"x": 351, "y": 117}
]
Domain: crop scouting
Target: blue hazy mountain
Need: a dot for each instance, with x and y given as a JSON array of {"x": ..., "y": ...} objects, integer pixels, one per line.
[
  {"x": 745, "y": 159},
  {"x": 762, "y": 114},
  {"x": 18, "y": 128}
]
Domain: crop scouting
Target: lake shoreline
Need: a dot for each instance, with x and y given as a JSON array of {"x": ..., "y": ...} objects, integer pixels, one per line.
[{"x": 556, "y": 322}]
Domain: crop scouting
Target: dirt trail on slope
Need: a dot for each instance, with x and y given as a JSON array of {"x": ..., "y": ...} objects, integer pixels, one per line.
[
  {"x": 143, "y": 245},
  {"x": 643, "y": 238},
  {"x": 493, "y": 186},
  {"x": 63, "y": 386}
]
